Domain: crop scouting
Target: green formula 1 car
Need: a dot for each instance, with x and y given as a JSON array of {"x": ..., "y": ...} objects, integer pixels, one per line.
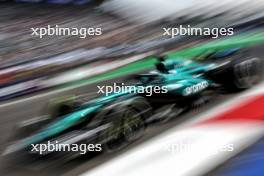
[{"x": 115, "y": 120}]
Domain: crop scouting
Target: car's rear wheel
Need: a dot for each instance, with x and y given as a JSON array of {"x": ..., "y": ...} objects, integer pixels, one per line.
[
  {"x": 239, "y": 74},
  {"x": 246, "y": 73}
]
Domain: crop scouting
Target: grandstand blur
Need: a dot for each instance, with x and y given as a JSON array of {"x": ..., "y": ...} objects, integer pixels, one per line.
[
  {"x": 24, "y": 57},
  {"x": 75, "y": 2}
]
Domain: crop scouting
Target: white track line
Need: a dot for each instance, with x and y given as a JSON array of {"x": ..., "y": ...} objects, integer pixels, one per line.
[{"x": 154, "y": 158}]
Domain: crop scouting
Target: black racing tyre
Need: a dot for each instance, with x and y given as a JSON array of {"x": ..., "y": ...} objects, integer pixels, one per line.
[
  {"x": 62, "y": 109},
  {"x": 245, "y": 73},
  {"x": 239, "y": 74},
  {"x": 62, "y": 106},
  {"x": 127, "y": 123}
]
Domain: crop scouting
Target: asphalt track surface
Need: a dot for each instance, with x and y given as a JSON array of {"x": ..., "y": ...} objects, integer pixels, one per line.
[{"x": 28, "y": 107}]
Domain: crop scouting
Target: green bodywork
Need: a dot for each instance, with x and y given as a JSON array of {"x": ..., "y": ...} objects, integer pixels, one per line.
[
  {"x": 184, "y": 75},
  {"x": 242, "y": 40},
  {"x": 177, "y": 81},
  {"x": 63, "y": 123}
]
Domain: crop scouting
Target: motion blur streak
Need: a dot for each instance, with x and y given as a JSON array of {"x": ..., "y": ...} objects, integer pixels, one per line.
[
  {"x": 247, "y": 163},
  {"x": 149, "y": 10},
  {"x": 245, "y": 113},
  {"x": 48, "y": 86},
  {"x": 198, "y": 148}
]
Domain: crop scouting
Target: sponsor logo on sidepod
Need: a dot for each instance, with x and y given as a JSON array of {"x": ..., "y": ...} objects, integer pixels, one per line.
[{"x": 195, "y": 88}]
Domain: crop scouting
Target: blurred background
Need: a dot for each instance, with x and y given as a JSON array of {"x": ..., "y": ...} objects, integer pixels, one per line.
[
  {"x": 129, "y": 28},
  {"x": 34, "y": 70}
]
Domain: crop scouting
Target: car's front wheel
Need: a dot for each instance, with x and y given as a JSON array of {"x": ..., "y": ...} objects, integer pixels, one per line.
[{"x": 127, "y": 124}]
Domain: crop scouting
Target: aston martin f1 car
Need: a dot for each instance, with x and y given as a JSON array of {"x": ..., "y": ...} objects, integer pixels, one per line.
[{"x": 118, "y": 119}]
